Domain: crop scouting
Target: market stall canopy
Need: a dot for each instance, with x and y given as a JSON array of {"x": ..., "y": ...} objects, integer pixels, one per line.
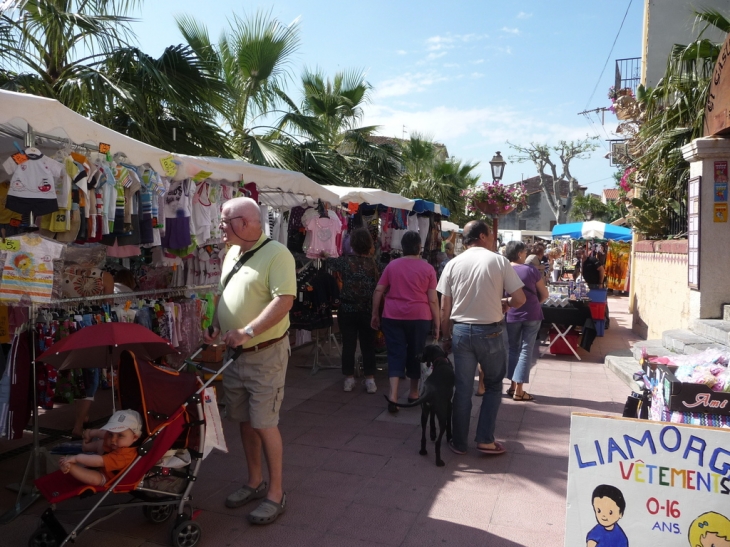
[
  {"x": 592, "y": 229},
  {"x": 18, "y": 111},
  {"x": 48, "y": 116},
  {"x": 422, "y": 206},
  {"x": 277, "y": 187},
  {"x": 447, "y": 226},
  {"x": 373, "y": 196}
]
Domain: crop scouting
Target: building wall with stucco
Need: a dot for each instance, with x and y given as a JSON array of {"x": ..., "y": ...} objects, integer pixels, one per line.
[{"x": 661, "y": 294}]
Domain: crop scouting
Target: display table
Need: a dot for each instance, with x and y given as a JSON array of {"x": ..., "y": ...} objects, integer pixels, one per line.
[{"x": 563, "y": 319}]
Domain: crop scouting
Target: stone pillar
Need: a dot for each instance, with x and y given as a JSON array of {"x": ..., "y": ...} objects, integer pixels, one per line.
[{"x": 714, "y": 288}]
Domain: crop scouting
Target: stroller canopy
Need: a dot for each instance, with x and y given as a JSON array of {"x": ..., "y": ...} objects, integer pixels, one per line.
[{"x": 592, "y": 229}]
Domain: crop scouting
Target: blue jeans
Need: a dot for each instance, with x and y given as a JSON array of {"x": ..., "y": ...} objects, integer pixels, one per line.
[
  {"x": 482, "y": 344},
  {"x": 522, "y": 337},
  {"x": 405, "y": 339}
]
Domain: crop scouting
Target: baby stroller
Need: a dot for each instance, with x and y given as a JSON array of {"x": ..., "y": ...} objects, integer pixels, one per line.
[{"x": 171, "y": 406}]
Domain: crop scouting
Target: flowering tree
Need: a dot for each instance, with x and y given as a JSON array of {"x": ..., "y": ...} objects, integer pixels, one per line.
[{"x": 550, "y": 183}]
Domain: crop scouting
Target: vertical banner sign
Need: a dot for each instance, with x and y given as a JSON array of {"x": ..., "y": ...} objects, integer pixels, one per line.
[
  {"x": 639, "y": 483},
  {"x": 719, "y": 211}
]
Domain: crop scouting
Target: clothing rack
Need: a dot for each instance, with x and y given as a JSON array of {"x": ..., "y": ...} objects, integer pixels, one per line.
[
  {"x": 316, "y": 343},
  {"x": 37, "y": 461},
  {"x": 32, "y": 135},
  {"x": 133, "y": 294}
]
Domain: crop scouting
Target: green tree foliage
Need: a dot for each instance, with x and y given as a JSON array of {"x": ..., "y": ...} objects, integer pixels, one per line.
[
  {"x": 252, "y": 60},
  {"x": 81, "y": 53},
  {"x": 429, "y": 174}
]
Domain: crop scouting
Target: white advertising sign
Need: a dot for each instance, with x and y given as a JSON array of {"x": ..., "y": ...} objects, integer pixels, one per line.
[{"x": 639, "y": 483}]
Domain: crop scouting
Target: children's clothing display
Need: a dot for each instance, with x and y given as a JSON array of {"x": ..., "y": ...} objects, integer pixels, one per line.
[
  {"x": 28, "y": 269},
  {"x": 32, "y": 185}
]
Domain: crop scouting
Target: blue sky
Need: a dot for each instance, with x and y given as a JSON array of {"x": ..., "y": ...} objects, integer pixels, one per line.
[{"x": 469, "y": 74}]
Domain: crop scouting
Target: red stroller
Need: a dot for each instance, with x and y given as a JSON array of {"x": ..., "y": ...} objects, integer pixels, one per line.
[{"x": 171, "y": 405}]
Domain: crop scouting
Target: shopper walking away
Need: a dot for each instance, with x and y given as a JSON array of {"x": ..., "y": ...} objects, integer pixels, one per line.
[
  {"x": 472, "y": 304},
  {"x": 359, "y": 277},
  {"x": 523, "y": 323},
  {"x": 410, "y": 313},
  {"x": 253, "y": 312}
]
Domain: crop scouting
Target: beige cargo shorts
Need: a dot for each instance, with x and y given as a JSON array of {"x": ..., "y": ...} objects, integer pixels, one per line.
[{"x": 253, "y": 385}]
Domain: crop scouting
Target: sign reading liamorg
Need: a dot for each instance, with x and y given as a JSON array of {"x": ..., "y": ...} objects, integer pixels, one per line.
[{"x": 640, "y": 483}]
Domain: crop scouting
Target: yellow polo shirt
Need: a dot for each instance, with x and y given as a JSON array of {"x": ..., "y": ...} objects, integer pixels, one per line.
[{"x": 269, "y": 273}]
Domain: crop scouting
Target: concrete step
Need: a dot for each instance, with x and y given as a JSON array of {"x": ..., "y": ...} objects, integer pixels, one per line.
[
  {"x": 716, "y": 330},
  {"x": 624, "y": 368},
  {"x": 653, "y": 347},
  {"x": 685, "y": 341}
]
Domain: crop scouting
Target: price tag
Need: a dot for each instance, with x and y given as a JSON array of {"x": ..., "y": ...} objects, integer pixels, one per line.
[
  {"x": 104, "y": 147},
  {"x": 202, "y": 175},
  {"x": 169, "y": 166},
  {"x": 10, "y": 245},
  {"x": 19, "y": 158}
]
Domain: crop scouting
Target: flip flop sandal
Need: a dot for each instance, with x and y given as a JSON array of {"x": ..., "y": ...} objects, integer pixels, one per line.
[
  {"x": 267, "y": 512},
  {"x": 525, "y": 397},
  {"x": 510, "y": 392},
  {"x": 412, "y": 399},
  {"x": 245, "y": 494},
  {"x": 498, "y": 449}
]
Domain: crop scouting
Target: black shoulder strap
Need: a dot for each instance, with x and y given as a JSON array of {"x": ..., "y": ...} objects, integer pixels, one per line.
[{"x": 241, "y": 261}]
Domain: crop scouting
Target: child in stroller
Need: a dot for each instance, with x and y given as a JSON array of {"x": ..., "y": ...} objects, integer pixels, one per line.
[{"x": 112, "y": 446}]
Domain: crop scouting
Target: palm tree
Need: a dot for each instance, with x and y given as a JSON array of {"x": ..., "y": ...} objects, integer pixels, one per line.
[
  {"x": 430, "y": 174},
  {"x": 672, "y": 115},
  {"x": 79, "y": 52},
  {"x": 251, "y": 59},
  {"x": 327, "y": 140}
]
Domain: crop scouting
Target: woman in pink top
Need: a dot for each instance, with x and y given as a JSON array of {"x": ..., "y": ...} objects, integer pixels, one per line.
[{"x": 410, "y": 313}]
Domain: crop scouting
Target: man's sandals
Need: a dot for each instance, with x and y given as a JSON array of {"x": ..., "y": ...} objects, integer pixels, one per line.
[
  {"x": 524, "y": 397},
  {"x": 267, "y": 512}
]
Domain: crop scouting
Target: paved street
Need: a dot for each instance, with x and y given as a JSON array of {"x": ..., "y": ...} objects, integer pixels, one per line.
[{"x": 353, "y": 474}]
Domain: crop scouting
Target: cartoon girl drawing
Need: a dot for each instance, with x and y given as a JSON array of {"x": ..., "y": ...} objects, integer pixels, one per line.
[{"x": 710, "y": 530}]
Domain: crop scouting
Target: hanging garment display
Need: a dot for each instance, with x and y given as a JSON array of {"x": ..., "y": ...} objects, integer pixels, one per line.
[
  {"x": 29, "y": 269},
  {"x": 617, "y": 265},
  {"x": 32, "y": 185}
]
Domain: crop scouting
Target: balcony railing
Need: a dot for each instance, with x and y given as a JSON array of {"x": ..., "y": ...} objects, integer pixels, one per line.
[{"x": 628, "y": 74}]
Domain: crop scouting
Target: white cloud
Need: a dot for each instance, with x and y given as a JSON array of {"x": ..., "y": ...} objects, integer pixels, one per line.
[
  {"x": 510, "y": 30},
  {"x": 436, "y": 43},
  {"x": 523, "y": 15},
  {"x": 493, "y": 126},
  {"x": 507, "y": 50},
  {"x": 408, "y": 83},
  {"x": 476, "y": 75},
  {"x": 451, "y": 65},
  {"x": 477, "y": 62},
  {"x": 435, "y": 55},
  {"x": 402, "y": 52}
]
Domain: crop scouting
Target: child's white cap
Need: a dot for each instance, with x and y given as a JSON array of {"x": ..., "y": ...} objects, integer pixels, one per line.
[{"x": 124, "y": 419}]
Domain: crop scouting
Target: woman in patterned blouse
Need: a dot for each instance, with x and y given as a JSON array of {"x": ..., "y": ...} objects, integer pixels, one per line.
[{"x": 359, "y": 277}]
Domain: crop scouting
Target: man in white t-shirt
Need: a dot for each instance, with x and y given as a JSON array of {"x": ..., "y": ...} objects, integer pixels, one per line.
[{"x": 472, "y": 307}]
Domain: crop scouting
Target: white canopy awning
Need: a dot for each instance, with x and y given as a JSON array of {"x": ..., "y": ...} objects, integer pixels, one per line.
[
  {"x": 18, "y": 110},
  {"x": 277, "y": 187},
  {"x": 373, "y": 196}
]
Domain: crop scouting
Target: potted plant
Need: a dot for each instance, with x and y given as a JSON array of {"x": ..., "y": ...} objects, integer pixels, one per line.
[{"x": 494, "y": 198}]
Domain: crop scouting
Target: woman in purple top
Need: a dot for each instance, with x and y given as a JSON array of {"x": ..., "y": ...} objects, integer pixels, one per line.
[
  {"x": 523, "y": 323},
  {"x": 410, "y": 313}
]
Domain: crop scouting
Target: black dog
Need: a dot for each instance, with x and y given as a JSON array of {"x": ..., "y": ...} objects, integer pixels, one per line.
[{"x": 436, "y": 398}]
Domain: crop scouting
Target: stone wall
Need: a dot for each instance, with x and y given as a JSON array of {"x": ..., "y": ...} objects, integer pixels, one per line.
[{"x": 661, "y": 294}]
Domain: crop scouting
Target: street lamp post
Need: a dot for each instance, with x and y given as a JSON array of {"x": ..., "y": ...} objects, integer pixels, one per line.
[{"x": 497, "y": 164}]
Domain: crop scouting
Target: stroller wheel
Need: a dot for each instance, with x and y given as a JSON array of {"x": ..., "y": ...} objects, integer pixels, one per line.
[
  {"x": 157, "y": 514},
  {"x": 186, "y": 534},
  {"x": 42, "y": 537}
]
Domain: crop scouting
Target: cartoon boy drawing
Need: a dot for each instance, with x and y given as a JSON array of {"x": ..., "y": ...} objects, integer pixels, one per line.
[
  {"x": 609, "y": 505},
  {"x": 710, "y": 529}
]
